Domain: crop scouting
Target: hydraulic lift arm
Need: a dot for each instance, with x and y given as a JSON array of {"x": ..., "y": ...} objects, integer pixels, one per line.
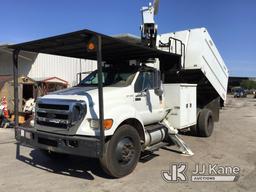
[{"x": 149, "y": 27}]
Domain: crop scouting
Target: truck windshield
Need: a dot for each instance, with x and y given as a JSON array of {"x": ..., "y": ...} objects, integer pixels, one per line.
[{"x": 110, "y": 77}]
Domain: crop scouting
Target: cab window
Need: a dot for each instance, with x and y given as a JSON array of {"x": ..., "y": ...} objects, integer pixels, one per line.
[
  {"x": 110, "y": 77},
  {"x": 144, "y": 81}
]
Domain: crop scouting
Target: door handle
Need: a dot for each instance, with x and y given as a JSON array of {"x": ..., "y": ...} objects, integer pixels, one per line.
[
  {"x": 142, "y": 94},
  {"x": 137, "y": 99}
]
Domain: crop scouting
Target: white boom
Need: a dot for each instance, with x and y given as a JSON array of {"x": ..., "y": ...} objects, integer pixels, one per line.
[{"x": 148, "y": 27}]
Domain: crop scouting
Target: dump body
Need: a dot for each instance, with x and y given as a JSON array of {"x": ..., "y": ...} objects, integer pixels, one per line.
[{"x": 200, "y": 53}]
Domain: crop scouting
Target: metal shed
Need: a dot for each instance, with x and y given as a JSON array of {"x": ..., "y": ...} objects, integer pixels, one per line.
[
  {"x": 42, "y": 65},
  {"x": 49, "y": 84}
]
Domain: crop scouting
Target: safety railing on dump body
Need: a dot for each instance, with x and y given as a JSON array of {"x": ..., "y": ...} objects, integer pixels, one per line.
[{"x": 175, "y": 46}]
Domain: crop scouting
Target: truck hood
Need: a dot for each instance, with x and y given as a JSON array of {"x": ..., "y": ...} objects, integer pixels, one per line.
[
  {"x": 89, "y": 94},
  {"x": 74, "y": 91}
]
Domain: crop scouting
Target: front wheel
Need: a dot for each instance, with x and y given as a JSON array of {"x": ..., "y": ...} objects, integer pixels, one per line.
[{"x": 122, "y": 152}]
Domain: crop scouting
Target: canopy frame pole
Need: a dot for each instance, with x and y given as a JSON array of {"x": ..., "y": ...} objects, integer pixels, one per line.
[
  {"x": 100, "y": 95},
  {"x": 15, "y": 57}
]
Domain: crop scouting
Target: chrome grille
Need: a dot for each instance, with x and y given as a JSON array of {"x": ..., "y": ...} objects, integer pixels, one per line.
[
  {"x": 56, "y": 113},
  {"x": 53, "y": 106}
]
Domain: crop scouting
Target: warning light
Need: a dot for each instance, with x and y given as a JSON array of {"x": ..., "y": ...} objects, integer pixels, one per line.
[{"x": 91, "y": 46}]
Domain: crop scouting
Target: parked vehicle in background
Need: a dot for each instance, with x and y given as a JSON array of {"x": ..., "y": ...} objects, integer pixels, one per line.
[
  {"x": 240, "y": 92},
  {"x": 254, "y": 94}
]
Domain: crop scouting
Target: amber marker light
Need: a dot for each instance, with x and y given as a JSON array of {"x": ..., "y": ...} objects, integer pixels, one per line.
[
  {"x": 108, "y": 123},
  {"x": 91, "y": 46}
]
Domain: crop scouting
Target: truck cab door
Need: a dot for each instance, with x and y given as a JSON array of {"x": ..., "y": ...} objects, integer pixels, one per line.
[{"x": 148, "y": 105}]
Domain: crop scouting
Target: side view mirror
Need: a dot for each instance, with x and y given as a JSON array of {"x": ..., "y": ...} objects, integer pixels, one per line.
[
  {"x": 159, "y": 92},
  {"x": 157, "y": 83}
]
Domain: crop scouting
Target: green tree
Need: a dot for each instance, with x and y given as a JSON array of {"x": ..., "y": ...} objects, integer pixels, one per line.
[{"x": 248, "y": 84}]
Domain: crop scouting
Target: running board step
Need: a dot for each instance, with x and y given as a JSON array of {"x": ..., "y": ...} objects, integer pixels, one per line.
[
  {"x": 184, "y": 149},
  {"x": 156, "y": 147}
]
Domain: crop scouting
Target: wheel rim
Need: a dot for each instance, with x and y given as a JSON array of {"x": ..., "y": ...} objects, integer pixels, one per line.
[{"x": 125, "y": 151}]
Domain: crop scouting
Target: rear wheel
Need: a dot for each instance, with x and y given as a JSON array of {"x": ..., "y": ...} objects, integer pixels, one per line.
[
  {"x": 205, "y": 123},
  {"x": 193, "y": 130},
  {"x": 122, "y": 152}
]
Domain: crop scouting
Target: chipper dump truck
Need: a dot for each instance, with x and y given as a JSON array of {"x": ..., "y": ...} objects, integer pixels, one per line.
[{"x": 139, "y": 98}]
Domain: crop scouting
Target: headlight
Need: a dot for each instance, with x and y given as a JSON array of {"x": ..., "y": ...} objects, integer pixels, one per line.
[
  {"x": 94, "y": 123},
  {"x": 107, "y": 123}
]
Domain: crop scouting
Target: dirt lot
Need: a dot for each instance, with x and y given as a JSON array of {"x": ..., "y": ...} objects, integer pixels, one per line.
[{"x": 232, "y": 143}]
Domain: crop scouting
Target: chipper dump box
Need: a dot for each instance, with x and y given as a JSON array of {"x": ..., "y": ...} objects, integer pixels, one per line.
[{"x": 199, "y": 55}]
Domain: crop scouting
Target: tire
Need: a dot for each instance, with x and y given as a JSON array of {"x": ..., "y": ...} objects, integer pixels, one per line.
[
  {"x": 122, "y": 152},
  {"x": 193, "y": 130},
  {"x": 205, "y": 123}
]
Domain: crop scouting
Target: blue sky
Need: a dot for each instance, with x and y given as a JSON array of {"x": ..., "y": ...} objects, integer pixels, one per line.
[{"x": 231, "y": 23}]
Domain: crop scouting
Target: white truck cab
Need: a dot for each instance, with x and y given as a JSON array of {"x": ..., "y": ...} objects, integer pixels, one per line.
[{"x": 129, "y": 93}]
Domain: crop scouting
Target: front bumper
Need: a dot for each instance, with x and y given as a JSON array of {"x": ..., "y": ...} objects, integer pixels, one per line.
[{"x": 73, "y": 145}]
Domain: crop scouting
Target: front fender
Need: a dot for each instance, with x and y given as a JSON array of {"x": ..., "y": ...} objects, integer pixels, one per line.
[{"x": 119, "y": 114}]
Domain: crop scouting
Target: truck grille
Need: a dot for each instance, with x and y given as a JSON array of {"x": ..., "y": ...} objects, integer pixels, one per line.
[
  {"x": 53, "y": 115},
  {"x": 60, "y": 114},
  {"x": 52, "y": 106}
]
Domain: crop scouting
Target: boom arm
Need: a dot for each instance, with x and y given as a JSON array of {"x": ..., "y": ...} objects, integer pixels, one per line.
[{"x": 148, "y": 27}]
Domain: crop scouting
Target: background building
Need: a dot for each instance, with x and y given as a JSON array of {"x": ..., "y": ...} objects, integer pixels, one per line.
[{"x": 45, "y": 66}]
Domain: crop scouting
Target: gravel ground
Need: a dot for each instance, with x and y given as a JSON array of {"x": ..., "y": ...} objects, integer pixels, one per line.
[{"x": 232, "y": 143}]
